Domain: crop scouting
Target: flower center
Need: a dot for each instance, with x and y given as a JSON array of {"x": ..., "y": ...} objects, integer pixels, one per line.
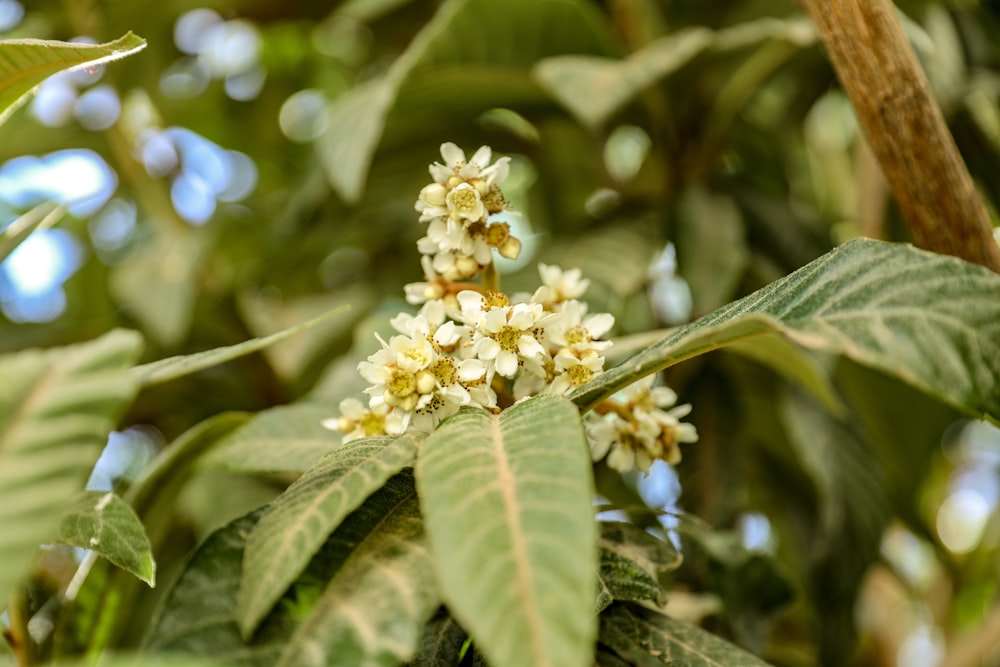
[
  {"x": 579, "y": 375},
  {"x": 444, "y": 371},
  {"x": 401, "y": 383},
  {"x": 507, "y": 338},
  {"x": 577, "y": 335},
  {"x": 372, "y": 424},
  {"x": 465, "y": 201}
]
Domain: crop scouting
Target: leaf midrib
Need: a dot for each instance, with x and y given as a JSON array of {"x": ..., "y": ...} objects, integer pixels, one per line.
[{"x": 519, "y": 550}]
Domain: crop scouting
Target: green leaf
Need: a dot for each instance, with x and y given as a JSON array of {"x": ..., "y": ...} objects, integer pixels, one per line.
[
  {"x": 507, "y": 501},
  {"x": 794, "y": 364},
  {"x": 853, "y": 513},
  {"x": 499, "y": 37},
  {"x": 42, "y": 216},
  {"x": 25, "y": 63},
  {"x": 172, "y": 368},
  {"x": 631, "y": 560},
  {"x": 645, "y": 638},
  {"x": 95, "y": 616},
  {"x": 930, "y": 320},
  {"x": 300, "y": 520},
  {"x": 711, "y": 247},
  {"x": 374, "y": 609},
  {"x": 196, "y": 618},
  {"x": 441, "y": 642},
  {"x": 593, "y": 88},
  {"x": 57, "y": 407},
  {"x": 288, "y": 438},
  {"x": 159, "y": 283},
  {"x": 106, "y": 524}
]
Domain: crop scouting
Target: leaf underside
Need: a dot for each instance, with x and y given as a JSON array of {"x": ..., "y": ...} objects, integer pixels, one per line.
[
  {"x": 930, "y": 320},
  {"x": 507, "y": 501}
]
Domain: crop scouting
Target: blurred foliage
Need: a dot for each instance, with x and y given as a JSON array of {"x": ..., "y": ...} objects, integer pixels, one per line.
[{"x": 717, "y": 127}]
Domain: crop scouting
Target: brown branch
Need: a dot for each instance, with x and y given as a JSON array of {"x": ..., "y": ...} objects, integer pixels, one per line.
[{"x": 905, "y": 127}]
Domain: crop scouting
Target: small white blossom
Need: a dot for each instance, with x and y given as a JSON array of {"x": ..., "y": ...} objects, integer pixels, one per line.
[
  {"x": 431, "y": 289},
  {"x": 477, "y": 167},
  {"x": 465, "y": 203},
  {"x": 356, "y": 421},
  {"x": 639, "y": 430},
  {"x": 558, "y": 285}
]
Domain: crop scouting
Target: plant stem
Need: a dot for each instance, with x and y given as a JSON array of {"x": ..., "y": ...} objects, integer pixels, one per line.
[
  {"x": 905, "y": 127},
  {"x": 491, "y": 279},
  {"x": 18, "y": 637}
]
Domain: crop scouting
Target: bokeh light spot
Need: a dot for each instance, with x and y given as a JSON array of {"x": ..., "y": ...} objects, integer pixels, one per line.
[
  {"x": 303, "y": 115},
  {"x": 961, "y": 520},
  {"x": 98, "y": 108}
]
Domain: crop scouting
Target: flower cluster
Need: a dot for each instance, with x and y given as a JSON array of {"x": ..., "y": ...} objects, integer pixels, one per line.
[
  {"x": 472, "y": 345},
  {"x": 457, "y": 206},
  {"x": 634, "y": 428}
]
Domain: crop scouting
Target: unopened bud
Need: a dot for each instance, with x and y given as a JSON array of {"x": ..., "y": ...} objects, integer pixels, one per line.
[
  {"x": 511, "y": 248},
  {"x": 467, "y": 267},
  {"x": 425, "y": 382}
]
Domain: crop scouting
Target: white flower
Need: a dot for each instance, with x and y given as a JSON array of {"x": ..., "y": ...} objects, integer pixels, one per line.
[
  {"x": 573, "y": 328},
  {"x": 477, "y": 167},
  {"x": 431, "y": 289},
  {"x": 431, "y": 202},
  {"x": 505, "y": 335},
  {"x": 639, "y": 431},
  {"x": 574, "y": 371},
  {"x": 558, "y": 285},
  {"x": 465, "y": 203},
  {"x": 357, "y": 422}
]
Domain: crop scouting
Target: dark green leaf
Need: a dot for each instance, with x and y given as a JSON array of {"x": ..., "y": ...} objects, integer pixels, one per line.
[
  {"x": 631, "y": 560},
  {"x": 442, "y": 642},
  {"x": 300, "y": 520},
  {"x": 646, "y": 638},
  {"x": 373, "y": 611}
]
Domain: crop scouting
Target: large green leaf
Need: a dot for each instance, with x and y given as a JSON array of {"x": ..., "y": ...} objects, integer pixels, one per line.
[
  {"x": 288, "y": 438},
  {"x": 174, "y": 367},
  {"x": 57, "y": 407},
  {"x": 507, "y": 501},
  {"x": 197, "y": 617},
  {"x": 41, "y": 217},
  {"x": 300, "y": 520},
  {"x": 646, "y": 638},
  {"x": 506, "y": 36},
  {"x": 25, "y": 63},
  {"x": 373, "y": 612},
  {"x": 930, "y": 320},
  {"x": 106, "y": 524},
  {"x": 594, "y": 88}
]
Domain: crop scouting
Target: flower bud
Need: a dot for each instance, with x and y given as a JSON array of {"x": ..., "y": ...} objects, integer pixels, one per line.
[
  {"x": 425, "y": 382},
  {"x": 511, "y": 248}
]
